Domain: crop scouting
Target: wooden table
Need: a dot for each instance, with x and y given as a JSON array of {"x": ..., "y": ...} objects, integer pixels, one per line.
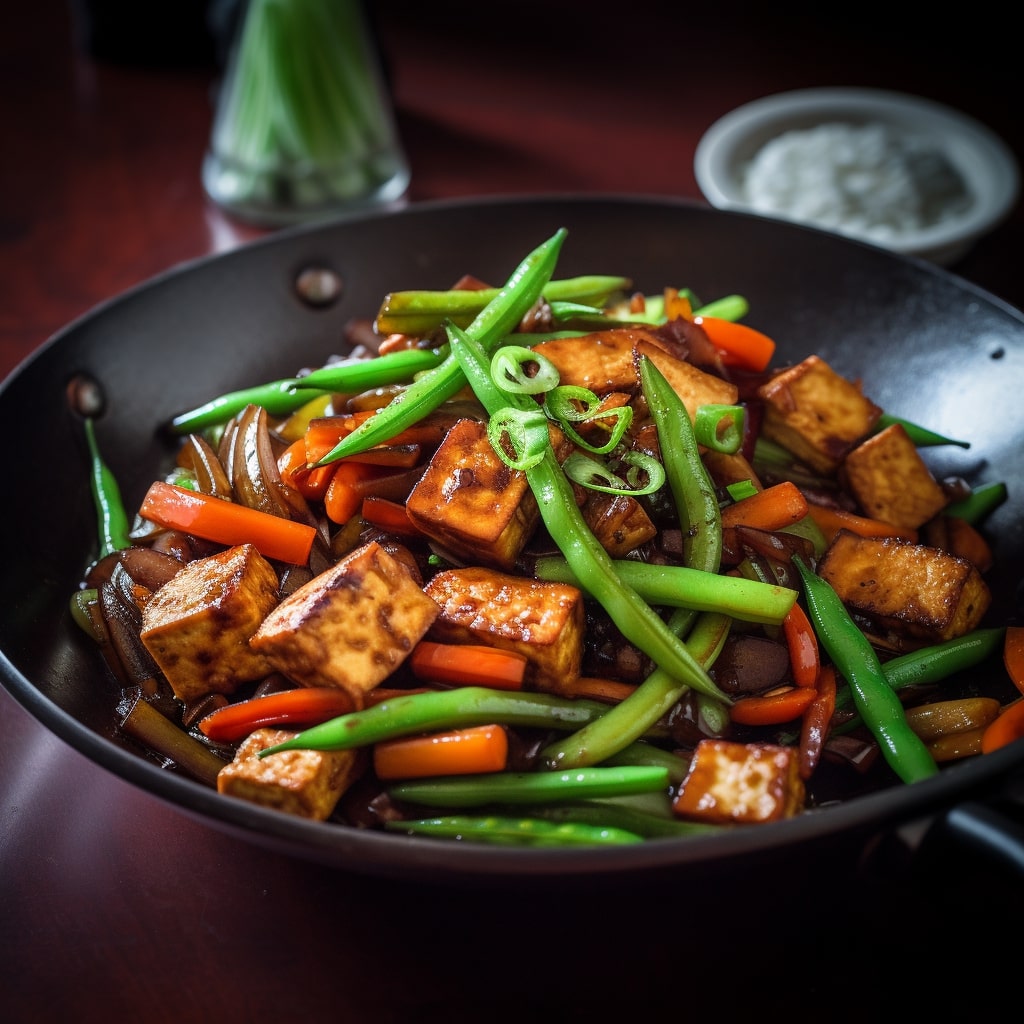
[{"x": 113, "y": 905}]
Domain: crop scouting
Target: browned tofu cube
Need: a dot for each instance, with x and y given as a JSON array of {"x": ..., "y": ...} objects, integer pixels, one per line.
[
  {"x": 602, "y": 361},
  {"x": 197, "y": 625},
  {"x": 912, "y": 589},
  {"x": 618, "y": 521},
  {"x": 307, "y": 783},
  {"x": 816, "y": 413},
  {"x": 471, "y": 503},
  {"x": 742, "y": 783},
  {"x": 541, "y": 620},
  {"x": 351, "y": 626},
  {"x": 890, "y": 480},
  {"x": 695, "y": 387}
]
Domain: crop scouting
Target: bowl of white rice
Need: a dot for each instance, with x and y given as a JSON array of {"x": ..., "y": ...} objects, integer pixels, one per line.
[{"x": 887, "y": 168}]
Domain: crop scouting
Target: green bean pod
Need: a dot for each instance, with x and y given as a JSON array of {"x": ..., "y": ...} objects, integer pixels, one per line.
[
  {"x": 979, "y": 503},
  {"x": 506, "y": 831},
  {"x": 855, "y": 660},
  {"x": 530, "y": 787},
  {"x": 111, "y": 516},
  {"x": 496, "y": 320},
  {"x": 921, "y": 436}
]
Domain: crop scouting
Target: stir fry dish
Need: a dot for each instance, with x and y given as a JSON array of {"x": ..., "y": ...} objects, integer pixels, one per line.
[{"x": 552, "y": 562}]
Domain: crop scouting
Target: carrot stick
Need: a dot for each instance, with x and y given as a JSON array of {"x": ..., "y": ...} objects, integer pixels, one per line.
[
  {"x": 816, "y": 721},
  {"x": 1013, "y": 655},
  {"x": 468, "y": 665},
  {"x": 295, "y": 472},
  {"x": 325, "y": 432},
  {"x": 773, "y": 708},
  {"x": 777, "y": 506},
  {"x": 608, "y": 691},
  {"x": 388, "y": 515},
  {"x": 472, "y": 751},
  {"x": 738, "y": 344},
  {"x": 227, "y": 522},
  {"x": 1009, "y": 726},
  {"x": 301, "y": 707},
  {"x": 831, "y": 520},
  {"x": 342, "y": 499},
  {"x": 401, "y": 456},
  {"x": 804, "y": 657}
]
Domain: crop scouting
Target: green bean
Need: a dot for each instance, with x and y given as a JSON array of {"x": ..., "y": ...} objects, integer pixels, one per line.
[
  {"x": 648, "y": 754},
  {"x": 281, "y": 397},
  {"x": 679, "y": 586},
  {"x": 921, "y": 436},
  {"x": 420, "y": 312},
  {"x": 505, "y": 831},
  {"x": 444, "y": 709},
  {"x": 855, "y": 659},
  {"x": 111, "y": 516},
  {"x": 981, "y": 501},
  {"x": 635, "y": 619},
  {"x": 530, "y": 787},
  {"x": 614, "y": 812}
]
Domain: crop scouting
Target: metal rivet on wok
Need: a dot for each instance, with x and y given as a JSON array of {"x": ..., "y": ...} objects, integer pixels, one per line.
[{"x": 318, "y": 286}]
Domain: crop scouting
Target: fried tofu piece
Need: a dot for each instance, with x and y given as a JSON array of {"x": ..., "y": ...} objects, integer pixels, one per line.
[
  {"x": 197, "y": 626},
  {"x": 695, "y": 387},
  {"x": 816, "y": 414},
  {"x": 740, "y": 783},
  {"x": 541, "y": 620},
  {"x": 471, "y": 503},
  {"x": 912, "y": 589},
  {"x": 307, "y": 783},
  {"x": 602, "y": 361},
  {"x": 891, "y": 481},
  {"x": 618, "y": 521},
  {"x": 349, "y": 627}
]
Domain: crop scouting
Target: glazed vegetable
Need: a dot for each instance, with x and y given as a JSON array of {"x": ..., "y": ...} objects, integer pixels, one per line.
[
  {"x": 468, "y": 664},
  {"x": 740, "y": 345},
  {"x": 1013, "y": 655},
  {"x": 473, "y": 751},
  {"x": 506, "y": 831},
  {"x": 303, "y": 706},
  {"x": 111, "y": 516},
  {"x": 857, "y": 662}
]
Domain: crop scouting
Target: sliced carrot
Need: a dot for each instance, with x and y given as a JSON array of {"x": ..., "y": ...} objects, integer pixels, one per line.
[
  {"x": 773, "y": 708},
  {"x": 472, "y": 751},
  {"x": 1013, "y": 655},
  {"x": 343, "y": 498},
  {"x": 295, "y": 472},
  {"x": 804, "y": 656},
  {"x": 831, "y": 520},
  {"x": 324, "y": 432},
  {"x": 738, "y": 344},
  {"x": 816, "y": 722},
  {"x": 773, "y": 508},
  {"x": 227, "y": 522},
  {"x": 388, "y": 515},
  {"x": 1009, "y": 726},
  {"x": 304, "y": 706},
  {"x": 966, "y": 542},
  {"x": 468, "y": 665}
]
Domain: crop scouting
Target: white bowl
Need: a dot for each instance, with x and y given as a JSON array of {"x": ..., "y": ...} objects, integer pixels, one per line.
[{"x": 985, "y": 165}]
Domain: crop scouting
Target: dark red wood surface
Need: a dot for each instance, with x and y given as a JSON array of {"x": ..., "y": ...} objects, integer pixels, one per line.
[{"x": 116, "y": 907}]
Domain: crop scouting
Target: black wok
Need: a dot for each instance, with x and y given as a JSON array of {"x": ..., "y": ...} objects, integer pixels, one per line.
[{"x": 927, "y": 345}]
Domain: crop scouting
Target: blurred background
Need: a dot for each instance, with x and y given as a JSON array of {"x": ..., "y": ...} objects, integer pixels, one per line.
[{"x": 108, "y": 104}]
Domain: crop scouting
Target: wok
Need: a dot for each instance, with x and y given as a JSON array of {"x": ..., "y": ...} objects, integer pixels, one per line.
[{"x": 927, "y": 345}]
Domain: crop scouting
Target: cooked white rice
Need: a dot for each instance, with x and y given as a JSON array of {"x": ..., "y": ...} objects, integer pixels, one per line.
[{"x": 861, "y": 180}]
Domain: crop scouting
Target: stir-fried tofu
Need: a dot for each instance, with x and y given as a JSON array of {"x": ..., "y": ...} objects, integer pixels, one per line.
[
  {"x": 695, "y": 387},
  {"x": 472, "y": 504},
  {"x": 909, "y": 588},
  {"x": 602, "y": 361},
  {"x": 197, "y": 626},
  {"x": 816, "y": 414},
  {"x": 890, "y": 480},
  {"x": 541, "y": 620},
  {"x": 308, "y": 783},
  {"x": 618, "y": 521},
  {"x": 741, "y": 783},
  {"x": 351, "y": 626}
]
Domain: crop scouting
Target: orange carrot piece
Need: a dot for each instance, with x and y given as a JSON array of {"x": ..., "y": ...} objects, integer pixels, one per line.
[
  {"x": 343, "y": 499},
  {"x": 966, "y": 542},
  {"x": 324, "y": 432},
  {"x": 1009, "y": 726},
  {"x": 738, "y": 344},
  {"x": 831, "y": 520},
  {"x": 402, "y": 456},
  {"x": 804, "y": 656},
  {"x": 773, "y": 708},
  {"x": 295, "y": 472},
  {"x": 303, "y": 707},
  {"x": 472, "y": 751},
  {"x": 608, "y": 691},
  {"x": 388, "y": 515},
  {"x": 468, "y": 665},
  {"x": 1013, "y": 655},
  {"x": 777, "y": 506},
  {"x": 816, "y": 722},
  {"x": 227, "y": 522}
]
